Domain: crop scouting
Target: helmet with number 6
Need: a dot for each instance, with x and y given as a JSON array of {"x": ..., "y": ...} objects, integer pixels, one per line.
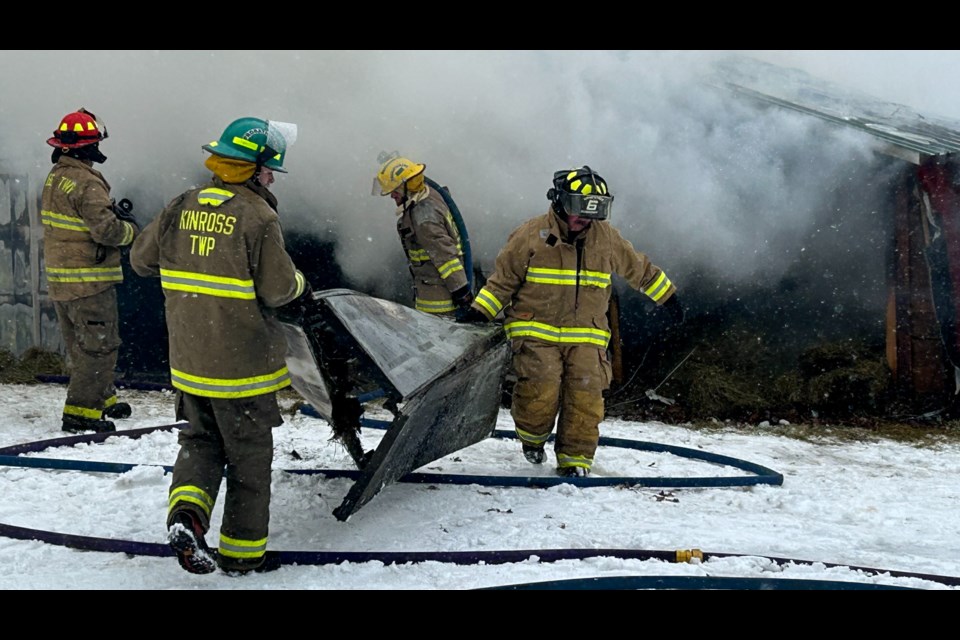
[{"x": 580, "y": 192}]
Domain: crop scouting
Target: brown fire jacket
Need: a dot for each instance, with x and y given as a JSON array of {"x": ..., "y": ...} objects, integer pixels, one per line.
[
  {"x": 432, "y": 243},
  {"x": 81, "y": 233},
  {"x": 557, "y": 292},
  {"x": 220, "y": 255}
]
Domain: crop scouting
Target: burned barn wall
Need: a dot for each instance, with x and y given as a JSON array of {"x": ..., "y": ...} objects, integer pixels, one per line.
[
  {"x": 915, "y": 348},
  {"x": 27, "y": 319}
]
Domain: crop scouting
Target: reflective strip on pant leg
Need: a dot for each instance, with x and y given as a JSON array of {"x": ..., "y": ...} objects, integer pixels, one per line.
[
  {"x": 242, "y": 549},
  {"x": 191, "y": 494},
  {"x": 83, "y": 412},
  {"x": 531, "y": 438},
  {"x": 564, "y": 460}
]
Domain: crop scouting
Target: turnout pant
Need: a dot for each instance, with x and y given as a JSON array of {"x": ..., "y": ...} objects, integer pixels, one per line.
[
  {"x": 235, "y": 434},
  {"x": 565, "y": 378},
  {"x": 91, "y": 334}
]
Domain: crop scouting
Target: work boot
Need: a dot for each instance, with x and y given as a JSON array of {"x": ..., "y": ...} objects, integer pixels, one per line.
[
  {"x": 240, "y": 567},
  {"x": 573, "y": 472},
  {"x": 536, "y": 455},
  {"x": 118, "y": 411},
  {"x": 79, "y": 424},
  {"x": 185, "y": 537}
]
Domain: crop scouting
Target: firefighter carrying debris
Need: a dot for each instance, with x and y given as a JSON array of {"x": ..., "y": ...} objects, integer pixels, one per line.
[{"x": 552, "y": 282}]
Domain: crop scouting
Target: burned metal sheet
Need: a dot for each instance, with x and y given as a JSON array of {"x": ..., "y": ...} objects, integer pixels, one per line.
[
  {"x": 305, "y": 374},
  {"x": 443, "y": 378},
  {"x": 410, "y": 347},
  {"x": 457, "y": 410}
]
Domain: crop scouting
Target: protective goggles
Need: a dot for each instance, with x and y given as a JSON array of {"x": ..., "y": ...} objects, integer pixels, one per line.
[{"x": 595, "y": 207}]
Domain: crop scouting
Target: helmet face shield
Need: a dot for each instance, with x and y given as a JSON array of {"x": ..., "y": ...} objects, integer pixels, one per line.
[
  {"x": 594, "y": 207},
  {"x": 394, "y": 172},
  {"x": 78, "y": 129},
  {"x": 101, "y": 127},
  {"x": 581, "y": 192},
  {"x": 257, "y": 141}
]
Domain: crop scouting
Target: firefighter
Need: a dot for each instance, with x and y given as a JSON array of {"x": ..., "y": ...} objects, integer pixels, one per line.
[
  {"x": 429, "y": 237},
  {"x": 219, "y": 252},
  {"x": 83, "y": 230},
  {"x": 552, "y": 283}
]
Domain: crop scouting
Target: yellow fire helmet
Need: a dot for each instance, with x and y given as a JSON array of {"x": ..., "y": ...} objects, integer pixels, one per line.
[{"x": 395, "y": 171}]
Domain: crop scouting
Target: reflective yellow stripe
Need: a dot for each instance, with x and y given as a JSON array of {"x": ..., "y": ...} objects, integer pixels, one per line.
[
  {"x": 128, "y": 233},
  {"x": 301, "y": 284},
  {"x": 526, "y": 436},
  {"x": 568, "y": 277},
  {"x": 450, "y": 267},
  {"x": 202, "y": 283},
  {"x": 214, "y": 197},
  {"x": 112, "y": 400},
  {"x": 434, "y": 306},
  {"x": 564, "y": 335},
  {"x": 237, "y": 548},
  {"x": 85, "y": 274},
  {"x": 489, "y": 302},
  {"x": 193, "y": 495},
  {"x": 230, "y": 387},
  {"x": 659, "y": 287},
  {"x": 418, "y": 255},
  {"x": 563, "y": 460},
  {"x": 249, "y": 144},
  {"x": 61, "y": 221},
  {"x": 83, "y": 412}
]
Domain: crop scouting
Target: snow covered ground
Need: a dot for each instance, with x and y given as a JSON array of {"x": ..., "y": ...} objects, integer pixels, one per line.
[{"x": 877, "y": 504}]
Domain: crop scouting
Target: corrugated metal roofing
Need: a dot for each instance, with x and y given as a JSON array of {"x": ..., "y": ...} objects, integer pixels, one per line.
[{"x": 906, "y": 133}]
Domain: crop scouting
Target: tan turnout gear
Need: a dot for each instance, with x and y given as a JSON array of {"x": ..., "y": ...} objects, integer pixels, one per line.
[
  {"x": 82, "y": 237},
  {"x": 219, "y": 253},
  {"x": 554, "y": 296},
  {"x": 434, "y": 253}
]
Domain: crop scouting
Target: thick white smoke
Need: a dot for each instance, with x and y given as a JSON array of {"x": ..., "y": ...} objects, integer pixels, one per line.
[{"x": 708, "y": 185}]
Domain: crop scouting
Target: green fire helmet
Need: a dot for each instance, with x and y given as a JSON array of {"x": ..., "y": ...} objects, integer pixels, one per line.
[{"x": 262, "y": 142}]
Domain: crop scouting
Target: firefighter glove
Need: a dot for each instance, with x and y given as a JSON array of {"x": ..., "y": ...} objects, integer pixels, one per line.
[
  {"x": 470, "y": 315},
  {"x": 675, "y": 309},
  {"x": 124, "y": 211},
  {"x": 462, "y": 297},
  {"x": 301, "y": 308}
]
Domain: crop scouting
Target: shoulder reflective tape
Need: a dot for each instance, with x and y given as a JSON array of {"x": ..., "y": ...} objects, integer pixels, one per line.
[
  {"x": 489, "y": 302},
  {"x": 61, "y": 221},
  {"x": 193, "y": 495},
  {"x": 659, "y": 287},
  {"x": 230, "y": 387},
  {"x": 559, "y": 335},
  {"x": 85, "y": 274},
  {"x": 214, "y": 197},
  {"x": 204, "y": 284}
]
